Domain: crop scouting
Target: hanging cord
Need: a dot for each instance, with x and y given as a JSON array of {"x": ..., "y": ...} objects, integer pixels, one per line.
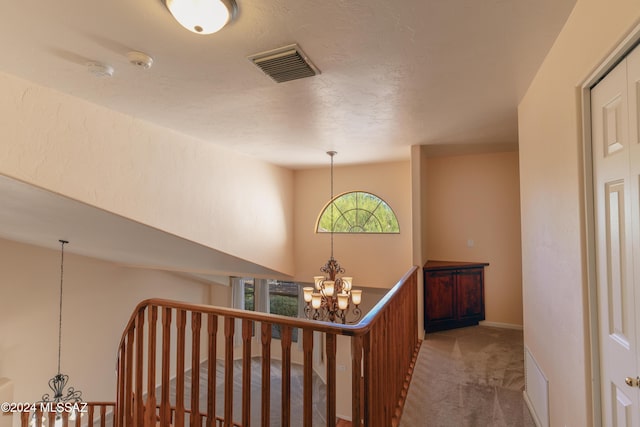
[
  {"x": 63, "y": 242},
  {"x": 331, "y": 154}
]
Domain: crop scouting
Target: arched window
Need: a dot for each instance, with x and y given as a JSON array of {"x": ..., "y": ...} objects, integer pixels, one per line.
[{"x": 357, "y": 212}]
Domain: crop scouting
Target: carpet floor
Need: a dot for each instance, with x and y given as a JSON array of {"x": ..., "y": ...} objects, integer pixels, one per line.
[{"x": 468, "y": 377}]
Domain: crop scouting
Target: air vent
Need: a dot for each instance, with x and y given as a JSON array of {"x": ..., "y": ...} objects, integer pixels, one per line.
[{"x": 284, "y": 64}]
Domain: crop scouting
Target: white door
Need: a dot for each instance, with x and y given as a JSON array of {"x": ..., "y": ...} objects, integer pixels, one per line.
[{"x": 616, "y": 161}]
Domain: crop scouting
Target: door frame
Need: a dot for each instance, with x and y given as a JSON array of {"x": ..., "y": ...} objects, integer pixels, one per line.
[{"x": 607, "y": 64}]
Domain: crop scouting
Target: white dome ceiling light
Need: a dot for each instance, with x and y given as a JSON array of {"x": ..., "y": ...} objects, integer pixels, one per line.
[{"x": 202, "y": 16}]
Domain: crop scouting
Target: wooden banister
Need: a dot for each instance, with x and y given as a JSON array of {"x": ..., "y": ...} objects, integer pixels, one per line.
[
  {"x": 383, "y": 348},
  {"x": 92, "y": 415}
]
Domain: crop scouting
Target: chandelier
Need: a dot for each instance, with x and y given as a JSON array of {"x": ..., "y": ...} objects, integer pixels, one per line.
[
  {"x": 332, "y": 299},
  {"x": 59, "y": 381}
]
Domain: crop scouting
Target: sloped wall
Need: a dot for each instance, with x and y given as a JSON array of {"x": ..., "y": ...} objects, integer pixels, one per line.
[{"x": 186, "y": 187}]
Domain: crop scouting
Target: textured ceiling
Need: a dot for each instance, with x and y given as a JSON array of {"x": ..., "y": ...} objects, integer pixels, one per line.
[{"x": 393, "y": 74}]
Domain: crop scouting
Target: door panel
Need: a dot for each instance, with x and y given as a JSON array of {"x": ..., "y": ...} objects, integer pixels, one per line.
[
  {"x": 616, "y": 218},
  {"x": 619, "y": 327},
  {"x": 470, "y": 295},
  {"x": 623, "y": 406},
  {"x": 439, "y": 298}
]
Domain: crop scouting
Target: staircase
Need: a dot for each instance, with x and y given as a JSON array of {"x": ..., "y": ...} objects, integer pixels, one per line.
[{"x": 165, "y": 344}]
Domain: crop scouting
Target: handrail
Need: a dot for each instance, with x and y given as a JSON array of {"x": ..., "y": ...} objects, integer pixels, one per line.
[
  {"x": 383, "y": 348},
  {"x": 359, "y": 328},
  {"x": 375, "y": 312}
]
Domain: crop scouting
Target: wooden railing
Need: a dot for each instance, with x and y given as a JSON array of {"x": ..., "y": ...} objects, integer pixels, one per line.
[
  {"x": 92, "y": 414},
  {"x": 153, "y": 354}
]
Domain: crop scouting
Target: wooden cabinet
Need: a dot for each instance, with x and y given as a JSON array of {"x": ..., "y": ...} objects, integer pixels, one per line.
[{"x": 453, "y": 294}]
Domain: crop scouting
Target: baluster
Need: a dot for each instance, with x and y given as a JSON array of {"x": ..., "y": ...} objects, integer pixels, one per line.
[
  {"x": 165, "y": 403},
  {"x": 138, "y": 401},
  {"x": 266, "y": 374},
  {"x": 247, "y": 329},
  {"x": 90, "y": 416},
  {"x": 331, "y": 379},
  {"x": 368, "y": 377},
  {"x": 65, "y": 419},
  {"x": 212, "y": 330},
  {"x": 285, "y": 337},
  {"x": 307, "y": 348},
  {"x": 52, "y": 418},
  {"x": 120, "y": 392},
  {"x": 103, "y": 416},
  {"x": 179, "y": 412},
  {"x": 128, "y": 396},
  {"x": 151, "y": 372},
  {"x": 229, "y": 324},
  {"x": 378, "y": 366},
  {"x": 356, "y": 380},
  {"x": 195, "y": 370}
]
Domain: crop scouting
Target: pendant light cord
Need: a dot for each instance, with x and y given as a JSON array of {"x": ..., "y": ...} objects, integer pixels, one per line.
[
  {"x": 63, "y": 242},
  {"x": 331, "y": 154}
]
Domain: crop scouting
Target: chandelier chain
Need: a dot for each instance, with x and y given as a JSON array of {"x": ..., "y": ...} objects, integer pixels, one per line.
[
  {"x": 331, "y": 154},
  {"x": 62, "y": 242}
]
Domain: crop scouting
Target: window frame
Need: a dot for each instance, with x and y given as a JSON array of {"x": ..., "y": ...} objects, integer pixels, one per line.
[{"x": 318, "y": 230}]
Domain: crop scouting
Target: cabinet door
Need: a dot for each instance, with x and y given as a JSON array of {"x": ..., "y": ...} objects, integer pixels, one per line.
[
  {"x": 470, "y": 294},
  {"x": 439, "y": 296}
]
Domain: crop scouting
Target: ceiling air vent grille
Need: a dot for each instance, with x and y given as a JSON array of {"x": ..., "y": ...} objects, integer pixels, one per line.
[{"x": 285, "y": 64}]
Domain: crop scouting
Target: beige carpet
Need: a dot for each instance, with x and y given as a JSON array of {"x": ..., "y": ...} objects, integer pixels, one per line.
[{"x": 468, "y": 377}]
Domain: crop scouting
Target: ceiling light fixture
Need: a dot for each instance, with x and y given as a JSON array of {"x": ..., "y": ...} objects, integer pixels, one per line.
[
  {"x": 202, "y": 16},
  {"x": 58, "y": 383},
  {"x": 333, "y": 298}
]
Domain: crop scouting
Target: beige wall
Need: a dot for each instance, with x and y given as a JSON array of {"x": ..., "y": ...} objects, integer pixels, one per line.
[
  {"x": 153, "y": 175},
  {"x": 551, "y": 186},
  {"x": 476, "y": 197},
  {"x": 374, "y": 260},
  {"x": 419, "y": 205},
  {"x": 99, "y": 298}
]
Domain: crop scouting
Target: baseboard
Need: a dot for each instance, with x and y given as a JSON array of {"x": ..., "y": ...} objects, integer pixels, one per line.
[
  {"x": 501, "y": 325},
  {"x": 535, "y": 418}
]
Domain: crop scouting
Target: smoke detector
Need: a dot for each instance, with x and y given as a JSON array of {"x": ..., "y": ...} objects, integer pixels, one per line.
[
  {"x": 140, "y": 59},
  {"x": 99, "y": 69}
]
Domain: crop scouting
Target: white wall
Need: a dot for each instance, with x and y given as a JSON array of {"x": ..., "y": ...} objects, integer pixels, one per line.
[
  {"x": 99, "y": 298},
  {"x": 551, "y": 189},
  {"x": 153, "y": 175}
]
